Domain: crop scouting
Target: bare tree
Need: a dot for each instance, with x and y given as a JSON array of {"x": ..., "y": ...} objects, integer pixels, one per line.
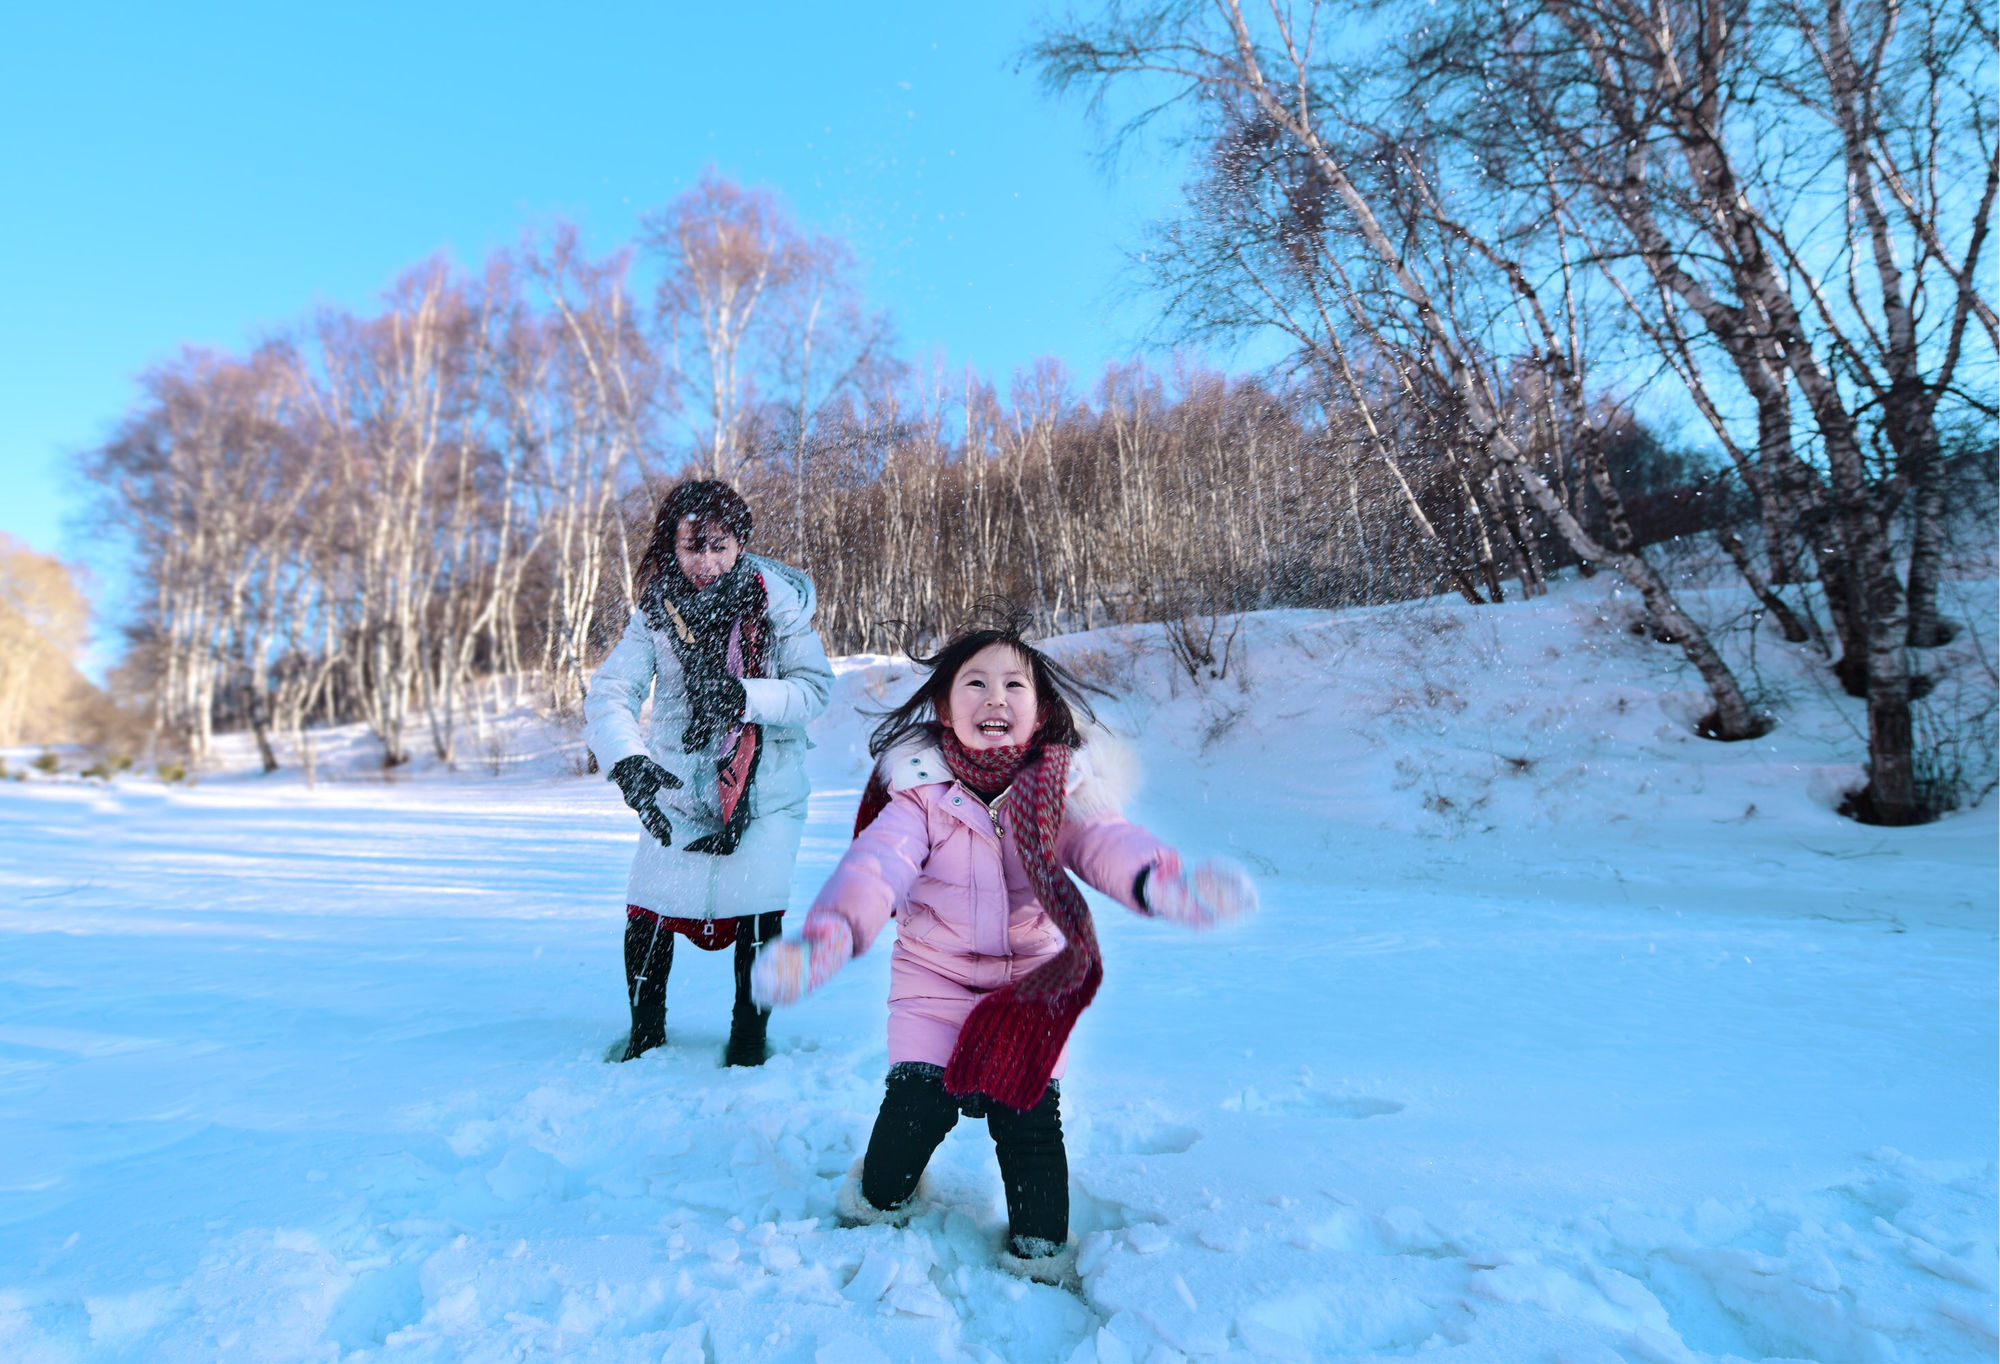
[
  {"x": 1807, "y": 192},
  {"x": 206, "y": 478},
  {"x": 385, "y": 405},
  {"x": 1266, "y": 80},
  {"x": 596, "y": 428},
  {"x": 725, "y": 253},
  {"x": 44, "y": 621},
  {"x": 827, "y": 348}
]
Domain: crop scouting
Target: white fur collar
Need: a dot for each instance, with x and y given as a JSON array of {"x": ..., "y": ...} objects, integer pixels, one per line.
[{"x": 1103, "y": 774}]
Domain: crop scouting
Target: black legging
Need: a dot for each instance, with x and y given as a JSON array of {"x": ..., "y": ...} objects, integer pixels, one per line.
[
  {"x": 649, "y": 959},
  {"x": 916, "y": 1114}
]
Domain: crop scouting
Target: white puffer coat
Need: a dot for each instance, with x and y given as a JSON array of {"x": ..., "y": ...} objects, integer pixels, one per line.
[{"x": 757, "y": 877}]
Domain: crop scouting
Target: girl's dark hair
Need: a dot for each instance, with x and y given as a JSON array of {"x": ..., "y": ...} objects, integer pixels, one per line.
[
  {"x": 1059, "y": 693},
  {"x": 699, "y": 500}
]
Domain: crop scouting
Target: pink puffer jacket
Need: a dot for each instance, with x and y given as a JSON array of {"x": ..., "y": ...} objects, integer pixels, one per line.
[{"x": 969, "y": 921}]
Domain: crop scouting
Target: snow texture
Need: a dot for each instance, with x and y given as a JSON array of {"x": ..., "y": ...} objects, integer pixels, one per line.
[{"x": 1563, "y": 1035}]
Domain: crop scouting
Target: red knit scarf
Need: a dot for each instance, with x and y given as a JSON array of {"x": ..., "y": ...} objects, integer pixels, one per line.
[{"x": 1011, "y": 1040}]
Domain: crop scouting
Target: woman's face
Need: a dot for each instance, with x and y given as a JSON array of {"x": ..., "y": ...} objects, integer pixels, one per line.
[
  {"x": 705, "y": 551},
  {"x": 991, "y": 703}
]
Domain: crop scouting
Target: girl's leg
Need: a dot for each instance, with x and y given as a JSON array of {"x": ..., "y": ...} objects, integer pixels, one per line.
[
  {"x": 916, "y": 1114},
  {"x": 1034, "y": 1167},
  {"x": 649, "y": 956},
  {"x": 746, "y": 1021}
]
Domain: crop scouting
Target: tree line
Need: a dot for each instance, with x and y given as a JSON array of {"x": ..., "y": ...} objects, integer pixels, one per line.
[
  {"x": 384, "y": 518},
  {"x": 1484, "y": 234}
]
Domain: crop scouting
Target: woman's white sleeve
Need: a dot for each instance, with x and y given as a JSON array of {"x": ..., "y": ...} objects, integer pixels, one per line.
[
  {"x": 801, "y": 681},
  {"x": 622, "y": 684}
]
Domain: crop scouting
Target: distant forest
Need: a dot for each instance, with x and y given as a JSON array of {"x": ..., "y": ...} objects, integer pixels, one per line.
[{"x": 1486, "y": 241}]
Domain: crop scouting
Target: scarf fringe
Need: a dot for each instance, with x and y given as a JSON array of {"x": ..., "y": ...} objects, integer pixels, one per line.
[{"x": 1009, "y": 1044}]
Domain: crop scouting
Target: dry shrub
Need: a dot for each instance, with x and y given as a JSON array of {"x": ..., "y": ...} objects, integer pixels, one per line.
[
  {"x": 44, "y": 620},
  {"x": 1113, "y": 666}
]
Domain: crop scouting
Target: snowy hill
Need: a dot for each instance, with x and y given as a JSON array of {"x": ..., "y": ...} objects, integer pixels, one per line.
[{"x": 1564, "y": 1035}]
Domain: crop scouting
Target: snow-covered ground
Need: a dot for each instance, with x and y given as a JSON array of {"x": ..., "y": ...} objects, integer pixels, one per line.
[{"x": 1565, "y": 1035}]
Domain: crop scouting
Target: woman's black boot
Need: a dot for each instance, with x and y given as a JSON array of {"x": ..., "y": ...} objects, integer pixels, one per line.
[
  {"x": 747, "y": 1022},
  {"x": 649, "y": 956}
]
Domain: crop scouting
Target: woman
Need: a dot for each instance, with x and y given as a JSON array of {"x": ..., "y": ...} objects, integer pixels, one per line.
[{"x": 723, "y": 641}]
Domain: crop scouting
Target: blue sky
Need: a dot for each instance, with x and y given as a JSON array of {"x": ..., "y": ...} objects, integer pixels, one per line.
[{"x": 199, "y": 173}]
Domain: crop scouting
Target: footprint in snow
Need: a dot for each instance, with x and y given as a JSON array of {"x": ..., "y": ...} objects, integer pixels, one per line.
[
  {"x": 1311, "y": 1103},
  {"x": 1166, "y": 1139}
]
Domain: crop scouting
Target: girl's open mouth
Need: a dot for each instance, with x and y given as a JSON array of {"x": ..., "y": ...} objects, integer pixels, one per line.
[{"x": 994, "y": 727}]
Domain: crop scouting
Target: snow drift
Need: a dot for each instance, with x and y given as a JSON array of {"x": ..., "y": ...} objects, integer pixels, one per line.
[{"x": 1565, "y": 1034}]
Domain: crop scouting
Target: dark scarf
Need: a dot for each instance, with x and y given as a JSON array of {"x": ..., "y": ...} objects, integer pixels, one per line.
[
  {"x": 700, "y": 623},
  {"x": 1012, "y": 1038},
  {"x": 708, "y": 614}
]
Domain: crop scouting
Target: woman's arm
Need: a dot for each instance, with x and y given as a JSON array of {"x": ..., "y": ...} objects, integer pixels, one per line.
[
  {"x": 801, "y": 678},
  {"x": 620, "y": 688}
]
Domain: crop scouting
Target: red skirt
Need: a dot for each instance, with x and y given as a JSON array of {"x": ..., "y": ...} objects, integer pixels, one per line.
[{"x": 710, "y": 934}]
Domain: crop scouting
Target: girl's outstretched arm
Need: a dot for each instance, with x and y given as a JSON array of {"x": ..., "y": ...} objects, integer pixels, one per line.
[
  {"x": 881, "y": 864},
  {"x": 871, "y": 882},
  {"x": 1134, "y": 868},
  {"x": 1110, "y": 852}
]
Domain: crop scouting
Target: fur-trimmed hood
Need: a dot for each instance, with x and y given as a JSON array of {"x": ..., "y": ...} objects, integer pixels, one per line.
[{"x": 1103, "y": 773}]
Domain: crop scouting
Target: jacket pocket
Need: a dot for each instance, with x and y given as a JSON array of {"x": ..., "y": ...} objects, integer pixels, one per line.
[
  {"x": 1038, "y": 938},
  {"x": 781, "y": 778}
]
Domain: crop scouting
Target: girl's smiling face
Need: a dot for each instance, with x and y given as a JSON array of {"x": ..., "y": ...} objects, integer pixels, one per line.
[{"x": 991, "y": 703}]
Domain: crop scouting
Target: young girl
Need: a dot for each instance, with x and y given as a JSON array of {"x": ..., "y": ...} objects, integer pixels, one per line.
[
  {"x": 723, "y": 642},
  {"x": 986, "y": 791}
]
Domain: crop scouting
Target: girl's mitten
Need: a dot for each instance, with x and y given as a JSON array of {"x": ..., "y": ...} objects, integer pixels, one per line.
[
  {"x": 640, "y": 780},
  {"x": 792, "y": 968},
  {"x": 1213, "y": 892}
]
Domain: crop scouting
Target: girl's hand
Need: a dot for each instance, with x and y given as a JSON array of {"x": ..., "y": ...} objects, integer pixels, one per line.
[
  {"x": 1213, "y": 892},
  {"x": 791, "y": 968}
]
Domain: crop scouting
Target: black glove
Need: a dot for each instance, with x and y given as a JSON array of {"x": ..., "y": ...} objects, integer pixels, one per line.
[
  {"x": 641, "y": 779},
  {"x": 715, "y": 702}
]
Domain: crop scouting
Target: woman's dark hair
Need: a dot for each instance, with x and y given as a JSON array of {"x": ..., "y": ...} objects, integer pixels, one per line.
[
  {"x": 1059, "y": 693},
  {"x": 699, "y": 500}
]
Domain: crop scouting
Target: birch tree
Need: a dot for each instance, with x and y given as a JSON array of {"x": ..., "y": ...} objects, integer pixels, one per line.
[
  {"x": 1804, "y": 193},
  {"x": 1269, "y": 77}
]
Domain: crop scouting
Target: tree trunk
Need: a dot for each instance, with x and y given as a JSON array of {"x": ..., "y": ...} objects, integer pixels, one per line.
[{"x": 1928, "y": 534}]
